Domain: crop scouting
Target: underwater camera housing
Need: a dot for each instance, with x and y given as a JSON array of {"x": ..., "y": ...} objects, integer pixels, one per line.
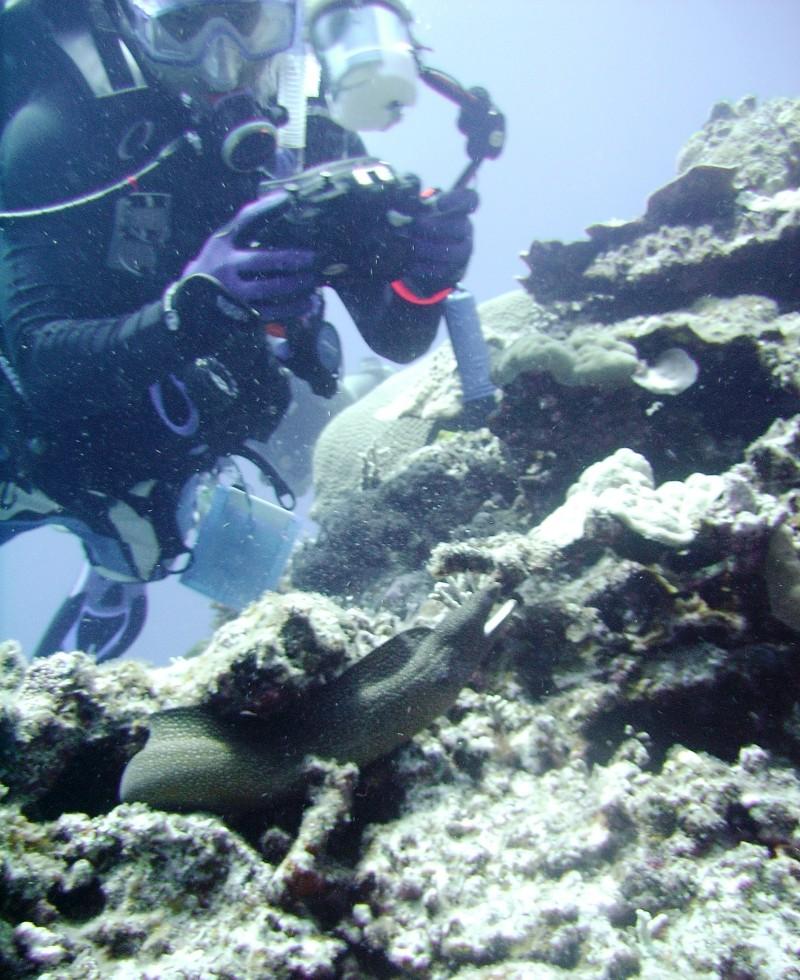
[
  {"x": 343, "y": 211},
  {"x": 346, "y": 211}
]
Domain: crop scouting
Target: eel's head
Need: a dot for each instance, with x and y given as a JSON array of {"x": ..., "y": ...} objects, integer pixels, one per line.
[{"x": 473, "y": 622}]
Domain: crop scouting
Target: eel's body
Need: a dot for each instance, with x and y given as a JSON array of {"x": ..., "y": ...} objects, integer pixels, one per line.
[{"x": 193, "y": 760}]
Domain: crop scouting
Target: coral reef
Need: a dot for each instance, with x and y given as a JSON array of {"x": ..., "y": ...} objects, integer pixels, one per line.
[
  {"x": 725, "y": 227},
  {"x": 615, "y": 790},
  {"x": 85, "y": 896}
]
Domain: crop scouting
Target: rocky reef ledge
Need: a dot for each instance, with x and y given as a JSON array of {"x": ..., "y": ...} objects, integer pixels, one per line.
[{"x": 615, "y": 792}]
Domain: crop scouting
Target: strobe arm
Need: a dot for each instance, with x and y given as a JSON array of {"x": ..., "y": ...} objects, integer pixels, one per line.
[{"x": 479, "y": 120}]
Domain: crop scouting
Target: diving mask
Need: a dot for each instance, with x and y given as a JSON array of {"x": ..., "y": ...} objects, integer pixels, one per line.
[{"x": 187, "y": 32}]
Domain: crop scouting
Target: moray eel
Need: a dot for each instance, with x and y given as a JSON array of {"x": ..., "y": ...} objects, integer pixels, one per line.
[{"x": 194, "y": 760}]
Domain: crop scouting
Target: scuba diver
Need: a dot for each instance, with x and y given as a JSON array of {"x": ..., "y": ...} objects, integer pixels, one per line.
[{"x": 145, "y": 337}]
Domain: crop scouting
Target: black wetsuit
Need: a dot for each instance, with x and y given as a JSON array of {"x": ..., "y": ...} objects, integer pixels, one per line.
[{"x": 83, "y": 317}]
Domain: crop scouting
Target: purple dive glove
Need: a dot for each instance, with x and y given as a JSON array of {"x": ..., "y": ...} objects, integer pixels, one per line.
[
  {"x": 277, "y": 282},
  {"x": 440, "y": 241}
]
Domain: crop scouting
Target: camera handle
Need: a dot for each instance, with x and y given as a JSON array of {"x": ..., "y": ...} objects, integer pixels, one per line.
[{"x": 485, "y": 128}]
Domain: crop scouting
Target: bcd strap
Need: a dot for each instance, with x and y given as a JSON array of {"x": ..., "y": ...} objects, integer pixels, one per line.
[
  {"x": 12, "y": 421},
  {"x": 123, "y": 72}
]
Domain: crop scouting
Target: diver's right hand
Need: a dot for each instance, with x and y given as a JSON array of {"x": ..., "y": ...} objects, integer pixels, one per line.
[{"x": 278, "y": 283}]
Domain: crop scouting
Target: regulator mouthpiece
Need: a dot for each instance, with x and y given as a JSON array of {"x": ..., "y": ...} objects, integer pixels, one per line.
[
  {"x": 247, "y": 132},
  {"x": 369, "y": 67},
  {"x": 248, "y": 146}
]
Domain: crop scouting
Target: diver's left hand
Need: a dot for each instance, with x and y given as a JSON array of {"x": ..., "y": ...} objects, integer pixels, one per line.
[{"x": 440, "y": 241}]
